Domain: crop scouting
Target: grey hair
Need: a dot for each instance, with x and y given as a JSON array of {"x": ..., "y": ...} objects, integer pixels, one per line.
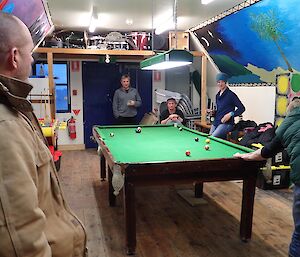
[{"x": 293, "y": 104}]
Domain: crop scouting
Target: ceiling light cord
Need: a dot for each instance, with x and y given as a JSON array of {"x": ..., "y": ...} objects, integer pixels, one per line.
[
  {"x": 175, "y": 21},
  {"x": 152, "y": 21}
]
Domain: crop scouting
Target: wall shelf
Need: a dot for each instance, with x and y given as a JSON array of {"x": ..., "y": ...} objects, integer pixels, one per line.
[{"x": 95, "y": 53}]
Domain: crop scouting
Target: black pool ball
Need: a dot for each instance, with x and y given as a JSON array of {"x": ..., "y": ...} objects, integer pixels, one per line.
[
  {"x": 111, "y": 134},
  {"x": 196, "y": 139},
  {"x": 180, "y": 128}
]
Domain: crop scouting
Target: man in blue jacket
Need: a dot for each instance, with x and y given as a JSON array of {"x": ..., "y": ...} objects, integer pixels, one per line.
[{"x": 228, "y": 107}]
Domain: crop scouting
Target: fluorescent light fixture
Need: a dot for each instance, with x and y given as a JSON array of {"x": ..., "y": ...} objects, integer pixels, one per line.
[
  {"x": 94, "y": 20},
  {"x": 170, "y": 59},
  {"x": 206, "y": 1},
  {"x": 164, "y": 26}
]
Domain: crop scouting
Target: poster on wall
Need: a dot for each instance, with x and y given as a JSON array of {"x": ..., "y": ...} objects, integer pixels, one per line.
[{"x": 34, "y": 13}]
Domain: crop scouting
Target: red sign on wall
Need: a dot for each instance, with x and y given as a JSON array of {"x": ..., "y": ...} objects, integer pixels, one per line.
[
  {"x": 76, "y": 111},
  {"x": 157, "y": 76},
  {"x": 75, "y": 66}
]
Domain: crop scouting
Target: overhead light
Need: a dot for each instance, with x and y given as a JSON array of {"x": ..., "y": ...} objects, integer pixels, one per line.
[
  {"x": 170, "y": 59},
  {"x": 206, "y": 1},
  {"x": 94, "y": 20},
  {"x": 164, "y": 26},
  {"x": 129, "y": 21},
  {"x": 107, "y": 58}
]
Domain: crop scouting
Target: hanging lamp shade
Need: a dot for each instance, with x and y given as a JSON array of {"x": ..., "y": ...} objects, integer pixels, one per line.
[{"x": 167, "y": 60}]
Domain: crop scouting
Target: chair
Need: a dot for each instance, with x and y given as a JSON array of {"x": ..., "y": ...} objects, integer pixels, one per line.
[{"x": 149, "y": 119}]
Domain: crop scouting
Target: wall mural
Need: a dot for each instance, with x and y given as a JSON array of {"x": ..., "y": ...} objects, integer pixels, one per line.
[{"x": 256, "y": 43}]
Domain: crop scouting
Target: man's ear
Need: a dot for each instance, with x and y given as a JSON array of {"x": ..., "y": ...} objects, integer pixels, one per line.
[{"x": 12, "y": 60}]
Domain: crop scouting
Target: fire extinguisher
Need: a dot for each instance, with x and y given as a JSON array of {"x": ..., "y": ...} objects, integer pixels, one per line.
[{"x": 72, "y": 127}]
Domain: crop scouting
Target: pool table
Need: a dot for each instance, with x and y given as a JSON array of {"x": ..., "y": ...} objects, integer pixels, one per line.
[{"x": 157, "y": 156}]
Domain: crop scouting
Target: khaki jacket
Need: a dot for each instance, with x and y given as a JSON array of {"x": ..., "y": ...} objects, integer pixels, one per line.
[{"x": 35, "y": 220}]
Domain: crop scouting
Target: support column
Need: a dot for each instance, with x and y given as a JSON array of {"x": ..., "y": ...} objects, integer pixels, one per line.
[
  {"x": 203, "y": 88},
  {"x": 51, "y": 84}
]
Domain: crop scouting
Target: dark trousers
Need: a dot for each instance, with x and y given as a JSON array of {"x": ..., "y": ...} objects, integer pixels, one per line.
[
  {"x": 295, "y": 243},
  {"x": 126, "y": 120}
]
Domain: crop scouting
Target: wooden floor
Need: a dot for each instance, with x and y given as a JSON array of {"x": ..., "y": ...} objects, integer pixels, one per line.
[{"x": 167, "y": 226}]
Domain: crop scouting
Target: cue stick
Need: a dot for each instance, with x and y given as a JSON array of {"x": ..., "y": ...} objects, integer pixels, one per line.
[
  {"x": 45, "y": 104},
  {"x": 41, "y": 104}
]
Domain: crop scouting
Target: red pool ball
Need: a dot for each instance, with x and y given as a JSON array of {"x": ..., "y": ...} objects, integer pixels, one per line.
[
  {"x": 206, "y": 147},
  {"x": 187, "y": 152}
]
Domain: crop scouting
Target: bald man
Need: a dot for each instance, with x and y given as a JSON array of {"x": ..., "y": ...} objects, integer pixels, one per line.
[{"x": 35, "y": 220}]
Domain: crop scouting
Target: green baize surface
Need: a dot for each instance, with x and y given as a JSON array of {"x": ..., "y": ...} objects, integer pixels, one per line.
[{"x": 163, "y": 144}]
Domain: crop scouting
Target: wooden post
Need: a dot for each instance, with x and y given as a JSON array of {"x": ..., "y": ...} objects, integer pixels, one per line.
[
  {"x": 51, "y": 84},
  {"x": 203, "y": 88}
]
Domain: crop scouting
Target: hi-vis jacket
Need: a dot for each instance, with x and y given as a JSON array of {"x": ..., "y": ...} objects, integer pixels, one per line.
[{"x": 35, "y": 220}]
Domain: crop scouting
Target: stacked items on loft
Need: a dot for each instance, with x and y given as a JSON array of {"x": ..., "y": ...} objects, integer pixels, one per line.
[
  {"x": 111, "y": 41},
  {"x": 40, "y": 98}
]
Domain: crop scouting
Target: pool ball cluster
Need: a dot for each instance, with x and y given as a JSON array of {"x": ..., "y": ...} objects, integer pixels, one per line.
[
  {"x": 137, "y": 130},
  {"x": 206, "y": 147},
  {"x": 187, "y": 152},
  {"x": 207, "y": 141}
]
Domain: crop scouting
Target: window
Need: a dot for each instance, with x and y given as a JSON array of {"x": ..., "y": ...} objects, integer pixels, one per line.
[{"x": 61, "y": 80}]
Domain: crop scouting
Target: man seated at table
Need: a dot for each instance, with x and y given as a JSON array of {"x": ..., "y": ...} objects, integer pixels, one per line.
[{"x": 172, "y": 115}]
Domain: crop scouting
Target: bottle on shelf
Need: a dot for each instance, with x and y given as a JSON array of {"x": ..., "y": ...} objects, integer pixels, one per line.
[
  {"x": 208, "y": 110},
  {"x": 213, "y": 114}
]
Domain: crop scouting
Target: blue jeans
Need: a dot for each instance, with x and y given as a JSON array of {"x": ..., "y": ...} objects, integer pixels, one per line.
[
  {"x": 221, "y": 130},
  {"x": 295, "y": 243}
]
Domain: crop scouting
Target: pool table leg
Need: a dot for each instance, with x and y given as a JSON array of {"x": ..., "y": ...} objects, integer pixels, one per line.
[
  {"x": 102, "y": 168},
  {"x": 247, "y": 208},
  {"x": 130, "y": 219},
  {"x": 111, "y": 196},
  {"x": 198, "y": 189}
]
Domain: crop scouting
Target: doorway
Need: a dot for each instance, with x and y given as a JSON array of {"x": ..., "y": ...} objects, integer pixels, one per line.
[{"x": 99, "y": 84}]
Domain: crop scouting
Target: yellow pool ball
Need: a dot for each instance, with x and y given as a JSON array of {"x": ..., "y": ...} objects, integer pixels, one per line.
[{"x": 207, "y": 141}]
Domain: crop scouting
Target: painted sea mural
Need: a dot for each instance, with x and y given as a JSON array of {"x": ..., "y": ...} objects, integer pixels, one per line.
[{"x": 256, "y": 43}]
